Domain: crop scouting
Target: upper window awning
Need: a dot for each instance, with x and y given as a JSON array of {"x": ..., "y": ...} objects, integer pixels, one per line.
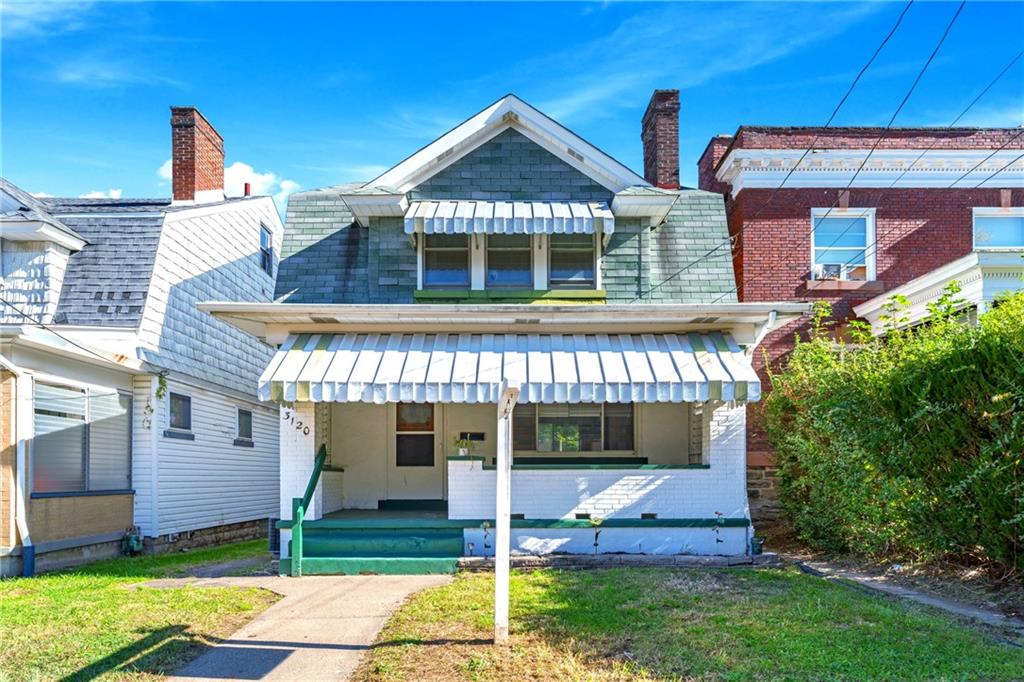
[
  {"x": 547, "y": 368},
  {"x": 509, "y": 217}
]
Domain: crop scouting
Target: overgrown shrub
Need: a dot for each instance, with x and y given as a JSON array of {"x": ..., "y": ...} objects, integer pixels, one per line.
[{"x": 910, "y": 446}]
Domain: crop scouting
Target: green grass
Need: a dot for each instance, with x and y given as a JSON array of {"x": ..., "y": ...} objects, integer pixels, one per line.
[
  {"x": 91, "y": 622},
  {"x": 735, "y": 624}
]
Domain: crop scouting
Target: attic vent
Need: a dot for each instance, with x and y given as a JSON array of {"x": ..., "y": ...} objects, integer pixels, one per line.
[
  {"x": 574, "y": 154},
  {"x": 510, "y": 117},
  {"x": 445, "y": 154},
  {"x": 324, "y": 320},
  {"x": 705, "y": 320}
]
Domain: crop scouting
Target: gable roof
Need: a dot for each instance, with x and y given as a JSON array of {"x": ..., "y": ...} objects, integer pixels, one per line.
[
  {"x": 22, "y": 209},
  {"x": 508, "y": 112}
]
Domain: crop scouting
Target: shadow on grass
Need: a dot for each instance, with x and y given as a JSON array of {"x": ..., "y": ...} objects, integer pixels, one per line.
[
  {"x": 244, "y": 555},
  {"x": 149, "y": 653}
]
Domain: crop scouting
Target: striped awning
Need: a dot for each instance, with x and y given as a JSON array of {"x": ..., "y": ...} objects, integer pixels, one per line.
[
  {"x": 547, "y": 368},
  {"x": 509, "y": 217}
]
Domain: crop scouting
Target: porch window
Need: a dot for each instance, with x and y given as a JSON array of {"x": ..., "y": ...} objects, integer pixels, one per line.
[
  {"x": 414, "y": 438},
  {"x": 446, "y": 260},
  {"x": 841, "y": 244},
  {"x": 573, "y": 428},
  {"x": 509, "y": 261},
  {"x": 82, "y": 440},
  {"x": 571, "y": 261},
  {"x": 999, "y": 228}
]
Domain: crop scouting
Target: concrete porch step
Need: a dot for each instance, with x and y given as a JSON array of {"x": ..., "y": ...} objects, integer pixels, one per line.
[
  {"x": 385, "y": 543},
  {"x": 374, "y": 565}
]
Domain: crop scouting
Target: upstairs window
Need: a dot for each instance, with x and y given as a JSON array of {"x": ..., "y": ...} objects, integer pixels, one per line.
[
  {"x": 244, "y": 425},
  {"x": 180, "y": 412},
  {"x": 509, "y": 261},
  {"x": 841, "y": 244},
  {"x": 999, "y": 228},
  {"x": 446, "y": 261},
  {"x": 572, "y": 261},
  {"x": 266, "y": 251}
]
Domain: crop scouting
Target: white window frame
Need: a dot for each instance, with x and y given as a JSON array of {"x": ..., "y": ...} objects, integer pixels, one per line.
[
  {"x": 269, "y": 251},
  {"x": 531, "y": 239},
  {"x": 869, "y": 225},
  {"x": 596, "y": 245},
  {"x": 994, "y": 212},
  {"x": 421, "y": 264}
]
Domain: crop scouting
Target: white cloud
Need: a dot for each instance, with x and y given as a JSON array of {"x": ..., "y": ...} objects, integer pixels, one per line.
[
  {"x": 96, "y": 194},
  {"x": 239, "y": 173},
  {"x": 41, "y": 195},
  {"x": 33, "y": 19},
  {"x": 164, "y": 172},
  {"x": 100, "y": 71}
]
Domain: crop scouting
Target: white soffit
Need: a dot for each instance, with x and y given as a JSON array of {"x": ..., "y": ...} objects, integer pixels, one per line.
[
  {"x": 509, "y": 112},
  {"x": 938, "y": 168},
  {"x": 508, "y": 217},
  {"x": 471, "y": 368}
]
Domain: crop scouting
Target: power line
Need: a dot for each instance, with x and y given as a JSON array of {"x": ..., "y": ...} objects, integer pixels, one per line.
[
  {"x": 882, "y": 137},
  {"x": 37, "y": 323},
  {"x": 731, "y": 239},
  {"x": 1019, "y": 157}
]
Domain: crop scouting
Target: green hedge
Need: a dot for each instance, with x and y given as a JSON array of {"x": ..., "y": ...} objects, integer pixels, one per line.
[{"x": 910, "y": 446}]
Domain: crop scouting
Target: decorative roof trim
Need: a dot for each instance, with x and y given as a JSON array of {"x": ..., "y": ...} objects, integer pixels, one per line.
[
  {"x": 898, "y": 168},
  {"x": 509, "y": 112}
]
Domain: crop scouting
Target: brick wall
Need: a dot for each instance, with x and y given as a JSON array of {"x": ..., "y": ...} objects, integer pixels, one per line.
[
  {"x": 772, "y": 137},
  {"x": 197, "y": 154}
]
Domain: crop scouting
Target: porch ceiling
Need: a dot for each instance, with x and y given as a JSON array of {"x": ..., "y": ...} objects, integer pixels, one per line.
[{"x": 548, "y": 368}]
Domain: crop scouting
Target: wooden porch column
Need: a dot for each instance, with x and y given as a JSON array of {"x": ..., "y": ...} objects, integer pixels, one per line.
[{"x": 502, "y": 512}]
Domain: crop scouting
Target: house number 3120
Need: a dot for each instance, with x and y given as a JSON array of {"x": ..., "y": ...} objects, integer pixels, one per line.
[{"x": 289, "y": 417}]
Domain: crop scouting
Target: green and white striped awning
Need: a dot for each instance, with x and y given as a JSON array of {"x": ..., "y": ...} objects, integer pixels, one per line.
[{"x": 547, "y": 368}]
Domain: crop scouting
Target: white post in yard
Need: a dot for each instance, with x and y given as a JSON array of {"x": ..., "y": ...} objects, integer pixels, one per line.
[{"x": 502, "y": 512}]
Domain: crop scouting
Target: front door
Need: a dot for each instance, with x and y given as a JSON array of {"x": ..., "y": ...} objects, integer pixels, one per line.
[{"x": 415, "y": 470}]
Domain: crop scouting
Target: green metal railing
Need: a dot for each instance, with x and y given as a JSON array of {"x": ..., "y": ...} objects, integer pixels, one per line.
[{"x": 299, "y": 507}]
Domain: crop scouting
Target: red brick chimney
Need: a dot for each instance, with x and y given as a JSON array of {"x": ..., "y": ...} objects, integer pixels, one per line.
[
  {"x": 197, "y": 157},
  {"x": 660, "y": 135}
]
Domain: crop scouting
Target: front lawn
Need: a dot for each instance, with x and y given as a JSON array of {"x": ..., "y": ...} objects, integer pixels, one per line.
[
  {"x": 738, "y": 624},
  {"x": 90, "y": 622}
]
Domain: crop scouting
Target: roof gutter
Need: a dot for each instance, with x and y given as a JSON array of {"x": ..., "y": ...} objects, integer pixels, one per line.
[{"x": 19, "y": 416}]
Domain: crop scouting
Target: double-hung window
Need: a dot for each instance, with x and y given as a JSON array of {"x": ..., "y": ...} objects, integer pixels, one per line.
[
  {"x": 266, "y": 251},
  {"x": 842, "y": 244},
  {"x": 571, "y": 261},
  {"x": 445, "y": 261},
  {"x": 414, "y": 435},
  {"x": 82, "y": 440},
  {"x": 566, "y": 428},
  {"x": 999, "y": 228},
  {"x": 509, "y": 261},
  {"x": 243, "y": 431}
]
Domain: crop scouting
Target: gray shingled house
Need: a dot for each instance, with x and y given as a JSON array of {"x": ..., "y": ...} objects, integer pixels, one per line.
[
  {"x": 510, "y": 264},
  {"x": 124, "y": 406}
]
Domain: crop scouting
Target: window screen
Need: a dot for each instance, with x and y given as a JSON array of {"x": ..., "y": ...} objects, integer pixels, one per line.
[
  {"x": 569, "y": 428},
  {"x": 181, "y": 412},
  {"x": 524, "y": 427},
  {"x": 618, "y": 426},
  {"x": 110, "y": 442},
  {"x": 446, "y": 260},
  {"x": 245, "y": 424},
  {"x": 509, "y": 261},
  {"x": 571, "y": 261}
]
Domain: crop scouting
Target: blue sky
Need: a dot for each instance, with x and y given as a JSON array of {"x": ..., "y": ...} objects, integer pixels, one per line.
[{"x": 308, "y": 95}]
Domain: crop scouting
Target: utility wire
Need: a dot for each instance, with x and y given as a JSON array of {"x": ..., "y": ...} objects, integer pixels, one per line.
[
  {"x": 878, "y": 141},
  {"x": 37, "y": 323},
  {"x": 728, "y": 241}
]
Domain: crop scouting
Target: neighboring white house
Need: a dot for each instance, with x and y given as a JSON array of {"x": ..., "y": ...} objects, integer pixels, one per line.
[
  {"x": 127, "y": 406},
  {"x": 994, "y": 267},
  {"x": 510, "y": 253}
]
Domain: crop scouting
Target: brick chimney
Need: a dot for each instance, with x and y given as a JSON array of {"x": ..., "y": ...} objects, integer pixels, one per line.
[
  {"x": 197, "y": 157},
  {"x": 660, "y": 135}
]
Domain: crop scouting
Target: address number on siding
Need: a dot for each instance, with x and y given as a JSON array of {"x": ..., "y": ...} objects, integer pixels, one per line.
[{"x": 289, "y": 416}]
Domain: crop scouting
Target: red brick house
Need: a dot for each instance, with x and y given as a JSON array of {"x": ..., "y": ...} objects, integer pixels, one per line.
[{"x": 916, "y": 210}]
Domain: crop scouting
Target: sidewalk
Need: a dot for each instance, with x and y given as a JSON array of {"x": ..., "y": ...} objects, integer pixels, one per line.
[{"x": 319, "y": 630}]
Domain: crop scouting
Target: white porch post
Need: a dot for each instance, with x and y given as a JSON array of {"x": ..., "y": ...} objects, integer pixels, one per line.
[
  {"x": 298, "y": 454},
  {"x": 502, "y": 512}
]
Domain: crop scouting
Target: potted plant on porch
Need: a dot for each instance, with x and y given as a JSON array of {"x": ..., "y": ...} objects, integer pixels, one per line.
[{"x": 462, "y": 446}]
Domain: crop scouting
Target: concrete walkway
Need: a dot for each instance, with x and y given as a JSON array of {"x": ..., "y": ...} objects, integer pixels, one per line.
[
  {"x": 880, "y": 584},
  {"x": 319, "y": 630}
]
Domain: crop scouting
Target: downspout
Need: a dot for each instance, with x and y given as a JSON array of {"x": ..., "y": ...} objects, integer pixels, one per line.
[{"x": 28, "y": 550}]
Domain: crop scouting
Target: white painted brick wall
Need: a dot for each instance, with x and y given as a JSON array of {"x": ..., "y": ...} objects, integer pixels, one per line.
[
  {"x": 298, "y": 453},
  {"x": 611, "y": 493},
  {"x": 647, "y": 540}
]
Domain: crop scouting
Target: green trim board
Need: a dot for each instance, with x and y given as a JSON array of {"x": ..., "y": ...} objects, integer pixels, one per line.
[
  {"x": 569, "y": 464},
  {"x": 377, "y": 565},
  {"x": 455, "y": 295},
  {"x": 422, "y": 524}
]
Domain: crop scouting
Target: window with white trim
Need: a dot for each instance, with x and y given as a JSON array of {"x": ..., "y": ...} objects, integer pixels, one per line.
[
  {"x": 509, "y": 261},
  {"x": 180, "y": 412},
  {"x": 266, "y": 250},
  {"x": 570, "y": 428},
  {"x": 842, "y": 244},
  {"x": 445, "y": 261},
  {"x": 82, "y": 441},
  {"x": 999, "y": 228}
]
